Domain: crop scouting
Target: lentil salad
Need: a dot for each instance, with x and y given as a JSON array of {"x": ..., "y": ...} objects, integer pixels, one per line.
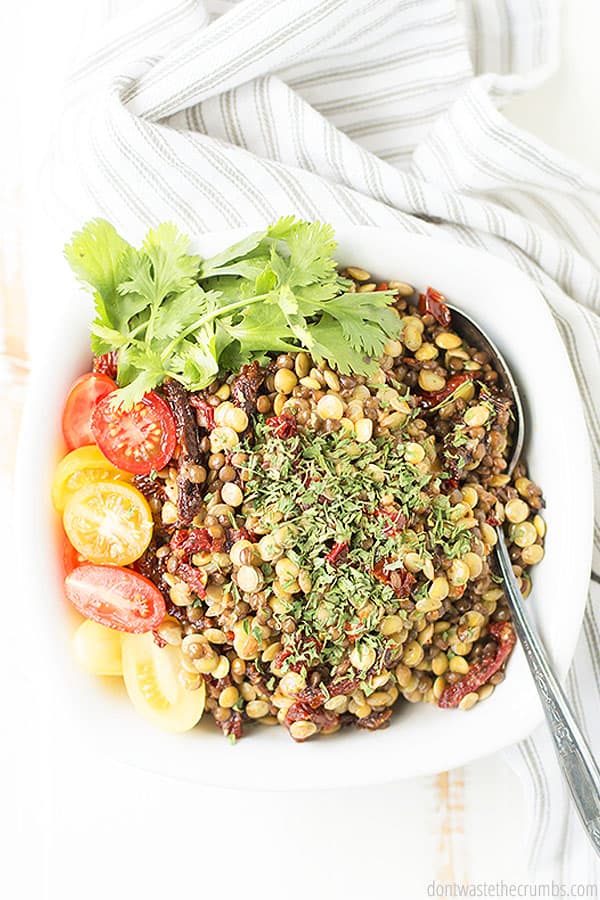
[{"x": 322, "y": 539}]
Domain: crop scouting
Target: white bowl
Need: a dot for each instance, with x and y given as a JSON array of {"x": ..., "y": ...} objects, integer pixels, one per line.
[{"x": 421, "y": 739}]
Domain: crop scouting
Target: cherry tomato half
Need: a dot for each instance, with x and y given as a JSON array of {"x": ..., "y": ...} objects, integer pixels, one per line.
[
  {"x": 151, "y": 676},
  {"x": 81, "y": 400},
  {"x": 140, "y": 439},
  {"x": 115, "y": 597},
  {"x": 108, "y": 522},
  {"x": 79, "y": 467}
]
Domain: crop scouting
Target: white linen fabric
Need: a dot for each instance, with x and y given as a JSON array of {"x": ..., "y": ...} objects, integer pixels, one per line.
[{"x": 379, "y": 112}]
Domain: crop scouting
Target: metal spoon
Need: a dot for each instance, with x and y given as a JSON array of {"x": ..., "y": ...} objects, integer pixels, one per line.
[{"x": 574, "y": 755}]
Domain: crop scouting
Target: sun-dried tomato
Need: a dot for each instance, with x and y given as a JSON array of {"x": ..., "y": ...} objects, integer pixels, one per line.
[
  {"x": 379, "y": 718},
  {"x": 342, "y": 686},
  {"x": 206, "y": 412},
  {"x": 400, "y": 580},
  {"x": 316, "y": 696},
  {"x": 482, "y": 669},
  {"x": 432, "y": 302},
  {"x": 192, "y": 577},
  {"x": 233, "y": 725},
  {"x": 246, "y": 385},
  {"x": 150, "y": 487},
  {"x": 242, "y": 534},
  {"x": 313, "y": 697},
  {"x": 397, "y": 520},
  {"x": 283, "y": 426},
  {"x": 499, "y": 401},
  {"x": 338, "y": 553},
  {"x": 301, "y": 711},
  {"x": 432, "y": 398},
  {"x": 106, "y": 364},
  {"x": 492, "y": 520},
  {"x": 194, "y": 540}
]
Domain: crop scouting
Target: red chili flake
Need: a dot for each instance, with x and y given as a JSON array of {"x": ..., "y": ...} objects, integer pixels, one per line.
[
  {"x": 378, "y": 572},
  {"x": 492, "y": 520},
  {"x": 192, "y": 577},
  {"x": 482, "y": 670},
  {"x": 106, "y": 364},
  {"x": 283, "y": 426},
  {"x": 432, "y": 302},
  {"x": 193, "y": 540},
  {"x": 432, "y": 398},
  {"x": 338, "y": 553},
  {"x": 351, "y": 633},
  {"x": 281, "y": 658},
  {"x": 399, "y": 579},
  {"x": 158, "y": 640},
  {"x": 449, "y": 485},
  {"x": 397, "y": 520},
  {"x": 382, "y": 287},
  {"x": 230, "y": 635},
  {"x": 206, "y": 411}
]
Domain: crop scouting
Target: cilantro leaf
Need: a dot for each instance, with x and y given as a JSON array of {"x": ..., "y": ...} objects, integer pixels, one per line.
[
  {"x": 169, "y": 314},
  {"x": 331, "y": 344},
  {"x": 366, "y": 323},
  {"x": 99, "y": 257},
  {"x": 262, "y": 327}
]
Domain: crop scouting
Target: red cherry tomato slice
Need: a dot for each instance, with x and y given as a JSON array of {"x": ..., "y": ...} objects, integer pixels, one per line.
[
  {"x": 116, "y": 597},
  {"x": 81, "y": 400},
  {"x": 140, "y": 439}
]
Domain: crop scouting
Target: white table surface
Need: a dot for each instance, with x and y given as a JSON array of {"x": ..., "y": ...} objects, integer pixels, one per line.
[{"x": 72, "y": 827}]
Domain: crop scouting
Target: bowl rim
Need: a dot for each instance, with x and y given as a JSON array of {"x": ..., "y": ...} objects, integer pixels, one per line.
[{"x": 522, "y": 725}]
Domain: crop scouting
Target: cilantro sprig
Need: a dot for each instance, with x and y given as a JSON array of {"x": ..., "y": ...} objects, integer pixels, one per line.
[{"x": 171, "y": 314}]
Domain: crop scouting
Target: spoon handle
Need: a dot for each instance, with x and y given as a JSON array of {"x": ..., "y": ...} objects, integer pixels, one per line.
[{"x": 574, "y": 755}]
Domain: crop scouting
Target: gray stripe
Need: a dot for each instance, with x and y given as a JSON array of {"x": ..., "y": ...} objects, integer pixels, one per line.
[
  {"x": 385, "y": 64},
  {"x": 258, "y": 51},
  {"x": 367, "y": 100},
  {"x": 131, "y": 39}
]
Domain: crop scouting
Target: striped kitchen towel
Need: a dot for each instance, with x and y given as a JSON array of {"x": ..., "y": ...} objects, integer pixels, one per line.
[{"x": 382, "y": 112}]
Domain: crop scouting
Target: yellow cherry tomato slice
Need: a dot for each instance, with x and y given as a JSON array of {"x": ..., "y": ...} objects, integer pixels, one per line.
[
  {"x": 80, "y": 467},
  {"x": 108, "y": 522},
  {"x": 98, "y": 649},
  {"x": 151, "y": 675}
]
